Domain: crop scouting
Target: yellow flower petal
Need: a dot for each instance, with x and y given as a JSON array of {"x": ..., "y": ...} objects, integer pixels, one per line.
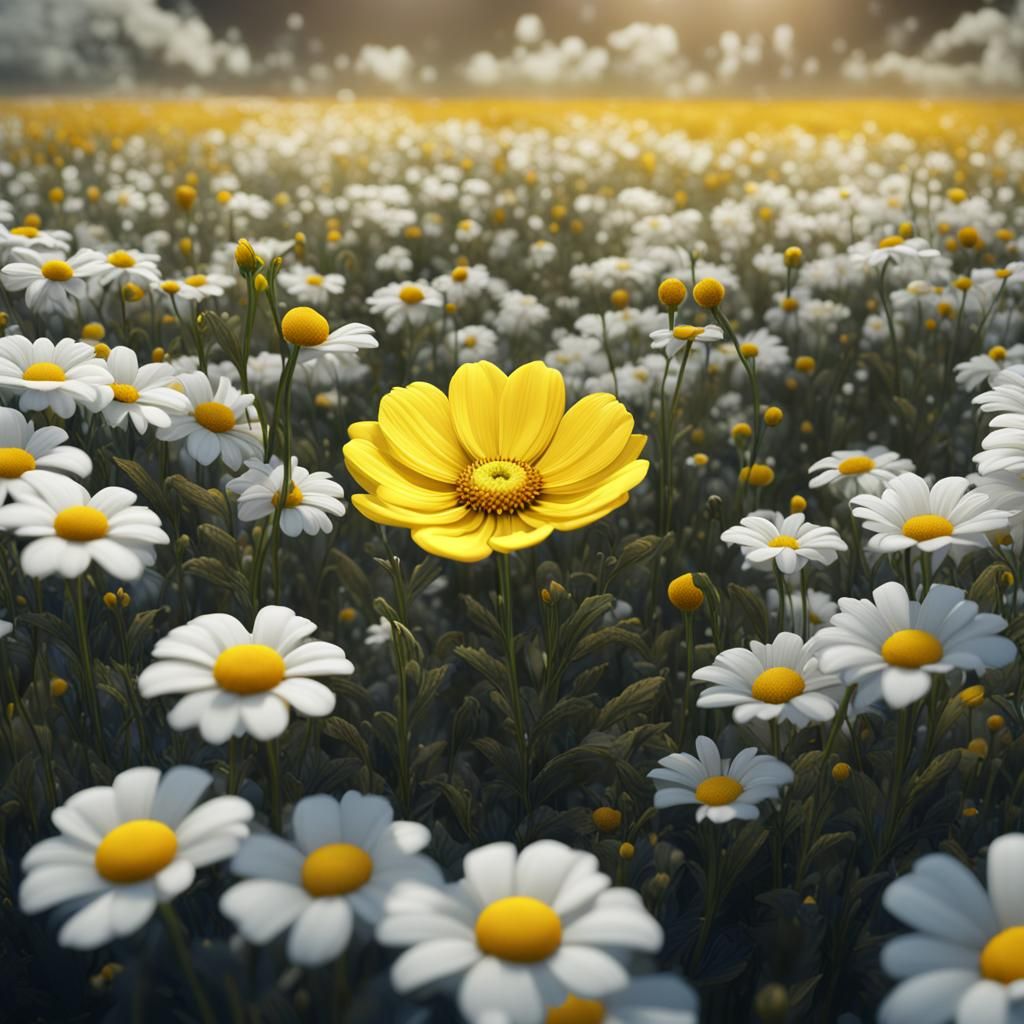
[
  {"x": 465, "y": 540},
  {"x": 629, "y": 455},
  {"x": 531, "y": 407},
  {"x": 396, "y": 515},
  {"x": 591, "y": 435},
  {"x": 474, "y": 395},
  {"x": 373, "y": 467},
  {"x": 367, "y": 430},
  {"x": 512, "y": 533},
  {"x": 558, "y": 508},
  {"x": 417, "y": 423}
]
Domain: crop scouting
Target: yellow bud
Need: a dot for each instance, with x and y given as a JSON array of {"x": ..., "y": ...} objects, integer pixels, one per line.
[
  {"x": 773, "y": 416},
  {"x": 58, "y": 686},
  {"x": 741, "y": 431},
  {"x": 805, "y": 364},
  {"x": 185, "y": 196},
  {"x": 607, "y": 819},
  {"x": 973, "y": 696},
  {"x": 994, "y": 723},
  {"x": 132, "y": 292},
  {"x": 619, "y": 298},
  {"x": 110, "y": 599},
  {"x": 260, "y": 283},
  {"x": 757, "y": 475},
  {"x": 245, "y": 257},
  {"x": 749, "y": 350},
  {"x": 685, "y": 594},
  {"x": 347, "y": 614},
  {"x": 708, "y": 293},
  {"x": 968, "y": 237},
  {"x": 797, "y": 503},
  {"x": 793, "y": 256},
  {"x": 627, "y": 851},
  {"x": 978, "y": 746},
  {"x": 841, "y": 771},
  {"x": 671, "y": 292},
  {"x": 56, "y": 195},
  {"x": 93, "y": 331}
]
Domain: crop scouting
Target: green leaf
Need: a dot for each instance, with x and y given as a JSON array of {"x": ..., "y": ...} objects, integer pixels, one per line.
[
  {"x": 637, "y": 699},
  {"x": 145, "y": 485},
  {"x": 210, "y": 501}
]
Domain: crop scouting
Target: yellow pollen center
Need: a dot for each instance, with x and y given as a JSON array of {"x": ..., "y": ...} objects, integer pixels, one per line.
[
  {"x": 460, "y": 274},
  {"x": 997, "y": 353},
  {"x": 294, "y": 497},
  {"x": 26, "y": 231},
  {"x": 784, "y": 541},
  {"x": 125, "y": 392},
  {"x": 498, "y": 486},
  {"x": 777, "y": 685},
  {"x": 80, "y": 523},
  {"x": 927, "y": 527},
  {"x": 336, "y": 869},
  {"x": 911, "y": 648},
  {"x": 304, "y": 327},
  {"x": 1002, "y": 959},
  {"x": 684, "y": 332},
  {"x": 195, "y": 280},
  {"x": 14, "y": 462},
  {"x": 718, "y": 790},
  {"x": 469, "y": 341},
  {"x": 576, "y": 1011},
  {"x": 315, "y": 280},
  {"x": 57, "y": 270},
  {"x": 890, "y": 240},
  {"x": 214, "y": 416},
  {"x": 856, "y": 464},
  {"x": 43, "y": 372},
  {"x": 410, "y": 294},
  {"x": 135, "y": 850},
  {"x": 122, "y": 259},
  {"x": 519, "y": 928},
  {"x": 248, "y": 668}
]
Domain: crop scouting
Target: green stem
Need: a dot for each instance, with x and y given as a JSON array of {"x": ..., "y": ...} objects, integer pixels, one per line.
[
  {"x": 177, "y": 936},
  {"x": 504, "y": 566}
]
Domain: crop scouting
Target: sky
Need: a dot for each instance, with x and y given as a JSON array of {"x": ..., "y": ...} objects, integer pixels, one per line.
[{"x": 672, "y": 48}]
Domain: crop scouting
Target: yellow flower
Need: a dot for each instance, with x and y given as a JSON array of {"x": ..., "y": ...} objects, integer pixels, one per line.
[{"x": 497, "y": 464}]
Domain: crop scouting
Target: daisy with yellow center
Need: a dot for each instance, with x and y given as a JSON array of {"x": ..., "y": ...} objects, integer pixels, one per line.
[
  {"x": 345, "y": 860},
  {"x": 61, "y": 376},
  {"x": 497, "y": 464},
  {"x": 526, "y": 930},
  {"x": 656, "y": 998},
  {"x": 51, "y": 284},
  {"x": 789, "y": 543},
  {"x": 854, "y": 471},
  {"x": 125, "y": 863},
  {"x": 720, "y": 788},
  {"x": 412, "y": 303}
]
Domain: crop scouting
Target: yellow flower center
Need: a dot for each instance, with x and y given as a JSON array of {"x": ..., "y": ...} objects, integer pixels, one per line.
[
  {"x": 25, "y": 231},
  {"x": 80, "y": 523},
  {"x": 43, "y": 372},
  {"x": 856, "y": 464},
  {"x": 171, "y": 287},
  {"x": 784, "y": 541},
  {"x": 777, "y": 685},
  {"x": 122, "y": 259},
  {"x": 294, "y": 497},
  {"x": 248, "y": 668},
  {"x": 411, "y": 294},
  {"x": 684, "y": 332},
  {"x": 997, "y": 353},
  {"x": 576, "y": 1011},
  {"x": 315, "y": 280},
  {"x": 498, "y": 486},
  {"x": 927, "y": 527},
  {"x": 1002, "y": 959},
  {"x": 460, "y": 274},
  {"x": 469, "y": 341},
  {"x": 336, "y": 869},
  {"x": 125, "y": 392},
  {"x": 216, "y": 417},
  {"x": 196, "y": 280},
  {"x": 57, "y": 270},
  {"x": 718, "y": 790},
  {"x": 519, "y": 928},
  {"x": 135, "y": 850},
  {"x": 304, "y": 327},
  {"x": 14, "y": 462},
  {"x": 890, "y": 240},
  {"x": 912, "y": 648}
]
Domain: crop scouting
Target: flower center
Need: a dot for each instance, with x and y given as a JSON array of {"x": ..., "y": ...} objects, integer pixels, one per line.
[
  {"x": 57, "y": 270},
  {"x": 215, "y": 416},
  {"x": 125, "y": 392},
  {"x": 890, "y": 240},
  {"x": 1002, "y": 959},
  {"x": 304, "y": 327},
  {"x": 315, "y": 280},
  {"x": 122, "y": 259},
  {"x": 519, "y": 928},
  {"x": 136, "y": 850},
  {"x": 927, "y": 527},
  {"x": 410, "y": 294},
  {"x": 14, "y": 462},
  {"x": 498, "y": 486},
  {"x": 784, "y": 541},
  {"x": 248, "y": 668},
  {"x": 856, "y": 464},
  {"x": 718, "y": 790},
  {"x": 997, "y": 353},
  {"x": 576, "y": 1011},
  {"x": 912, "y": 648},
  {"x": 80, "y": 523},
  {"x": 469, "y": 341},
  {"x": 25, "y": 231},
  {"x": 777, "y": 685},
  {"x": 684, "y": 332},
  {"x": 336, "y": 869},
  {"x": 43, "y": 371},
  {"x": 196, "y": 280},
  {"x": 294, "y": 498}
]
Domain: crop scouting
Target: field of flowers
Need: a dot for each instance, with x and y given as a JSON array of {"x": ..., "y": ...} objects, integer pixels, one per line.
[{"x": 508, "y": 564}]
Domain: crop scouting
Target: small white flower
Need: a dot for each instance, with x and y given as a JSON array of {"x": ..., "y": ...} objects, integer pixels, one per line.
[
  {"x": 859, "y": 471},
  {"x": 310, "y": 287},
  {"x": 673, "y": 341},
  {"x": 124, "y": 266},
  {"x": 51, "y": 284},
  {"x": 405, "y": 302},
  {"x": 984, "y": 368},
  {"x": 312, "y": 499},
  {"x": 648, "y": 999},
  {"x": 142, "y": 395},
  {"x": 24, "y": 447},
  {"x": 58, "y": 376},
  {"x": 790, "y": 543}
]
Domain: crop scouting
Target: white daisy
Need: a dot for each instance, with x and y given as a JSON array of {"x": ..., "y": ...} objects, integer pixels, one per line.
[
  {"x": 673, "y": 340},
  {"x": 964, "y": 961},
  {"x": 69, "y": 529},
  {"x": 780, "y": 681},
  {"x": 346, "y": 858},
  {"x": 519, "y": 933},
  {"x": 790, "y": 543},
  {"x": 984, "y": 368},
  {"x": 891, "y": 646},
  {"x": 312, "y": 498},
  {"x": 217, "y": 424},
  {"x": 142, "y": 395},
  {"x": 723, "y": 788},
  {"x": 27, "y": 237},
  {"x": 648, "y": 999},
  {"x": 937, "y": 520},
  {"x": 23, "y": 447},
  {"x": 405, "y": 302},
  {"x": 891, "y": 247},
  {"x": 1003, "y": 445},
  {"x": 51, "y": 284},
  {"x": 236, "y": 681},
  {"x": 310, "y": 287},
  {"x": 859, "y": 471},
  {"x": 125, "y": 848},
  {"x": 124, "y": 266},
  {"x": 58, "y": 376}
]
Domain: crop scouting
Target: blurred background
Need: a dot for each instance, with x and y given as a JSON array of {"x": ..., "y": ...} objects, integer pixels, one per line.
[{"x": 665, "y": 48}]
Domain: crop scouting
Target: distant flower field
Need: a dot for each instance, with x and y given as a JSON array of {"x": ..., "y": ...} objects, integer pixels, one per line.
[{"x": 513, "y": 563}]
